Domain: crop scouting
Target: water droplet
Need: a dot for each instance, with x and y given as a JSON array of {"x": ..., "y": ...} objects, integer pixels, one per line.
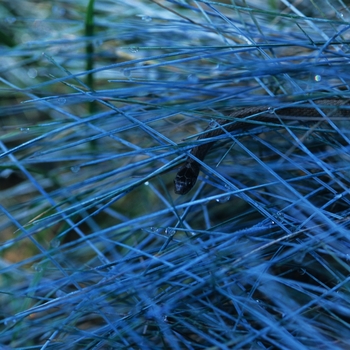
[
  {"x": 61, "y": 101},
  {"x": 55, "y": 242},
  {"x": 279, "y": 215},
  {"x": 32, "y": 73},
  {"x": 154, "y": 229},
  {"x": 302, "y": 271},
  {"x": 97, "y": 42},
  {"x": 192, "y": 78},
  {"x": 24, "y": 130},
  {"x": 36, "y": 154},
  {"x": 133, "y": 49},
  {"x": 37, "y": 267},
  {"x": 299, "y": 258},
  {"x": 344, "y": 48},
  {"x": 126, "y": 72},
  {"x": 170, "y": 231},
  {"x": 340, "y": 15},
  {"x": 6, "y": 173},
  {"x": 318, "y": 77},
  {"x": 58, "y": 10},
  {"x": 271, "y": 110},
  {"x": 75, "y": 169},
  {"x": 213, "y": 123},
  {"x": 146, "y": 183},
  {"x": 60, "y": 294},
  {"x": 10, "y": 321},
  {"x": 11, "y": 20},
  {"x": 146, "y": 18},
  {"x": 223, "y": 199}
]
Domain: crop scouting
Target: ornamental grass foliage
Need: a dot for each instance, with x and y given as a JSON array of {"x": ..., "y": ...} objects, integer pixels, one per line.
[{"x": 101, "y": 103}]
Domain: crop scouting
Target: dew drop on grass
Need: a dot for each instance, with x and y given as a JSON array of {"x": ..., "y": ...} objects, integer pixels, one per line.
[
  {"x": 340, "y": 15},
  {"x": 279, "y": 216},
  {"x": 37, "y": 267},
  {"x": 223, "y": 199},
  {"x": 146, "y": 18},
  {"x": 10, "y": 321},
  {"x": 134, "y": 49},
  {"x": 192, "y": 78},
  {"x": 344, "y": 48},
  {"x": 36, "y": 154},
  {"x": 55, "y": 242},
  {"x": 61, "y": 101},
  {"x": 154, "y": 229},
  {"x": 75, "y": 169},
  {"x": 299, "y": 258},
  {"x": 58, "y": 10},
  {"x": 32, "y": 73},
  {"x": 302, "y": 271},
  {"x": 60, "y": 294},
  {"x": 318, "y": 77},
  {"x": 97, "y": 42},
  {"x": 213, "y": 123},
  {"x": 11, "y": 20},
  {"x": 126, "y": 72},
  {"x": 170, "y": 231},
  {"x": 24, "y": 130}
]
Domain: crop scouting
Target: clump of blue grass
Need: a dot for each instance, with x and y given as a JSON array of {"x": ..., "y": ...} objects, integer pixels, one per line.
[{"x": 98, "y": 113}]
